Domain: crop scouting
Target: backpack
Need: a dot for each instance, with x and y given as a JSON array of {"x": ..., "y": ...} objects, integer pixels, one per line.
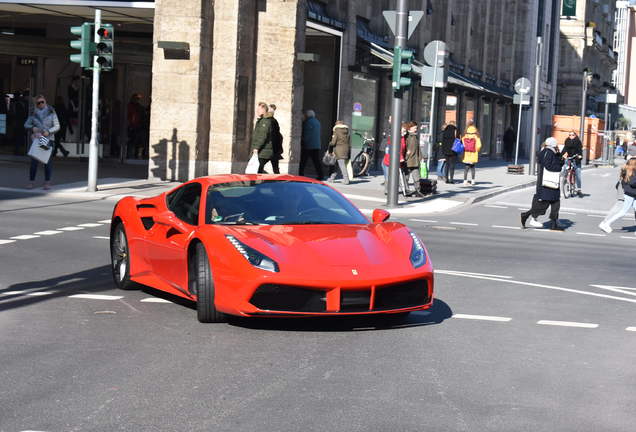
[
  {"x": 470, "y": 144},
  {"x": 458, "y": 146}
]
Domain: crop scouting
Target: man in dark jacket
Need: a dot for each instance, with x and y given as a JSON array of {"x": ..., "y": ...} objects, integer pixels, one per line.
[
  {"x": 509, "y": 140},
  {"x": 277, "y": 140},
  {"x": 310, "y": 143},
  {"x": 262, "y": 138},
  {"x": 548, "y": 159},
  {"x": 448, "y": 138},
  {"x": 574, "y": 148}
]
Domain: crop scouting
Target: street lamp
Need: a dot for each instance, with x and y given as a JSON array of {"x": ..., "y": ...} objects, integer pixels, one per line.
[
  {"x": 608, "y": 100},
  {"x": 587, "y": 79}
]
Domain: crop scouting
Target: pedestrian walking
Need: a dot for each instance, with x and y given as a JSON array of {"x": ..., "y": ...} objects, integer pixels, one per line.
[
  {"x": 340, "y": 146},
  {"x": 548, "y": 193},
  {"x": 509, "y": 140},
  {"x": 448, "y": 139},
  {"x": 385, "y": 160},
  {"x": 438, "y": 154},
  {"x": 574, "y": 148},
  {"x": 277, "y": 140},
  {"x": 262, "y": 143},
  {"x": 310, "y": 144},
  {"x": 627, "y": 181},
  {"x": 472, "y": 147},
  {"x": 413, "y": 156},
  {"x": 135, "y": 114},
  {"x": 42, "y": 123},
  {"x": 62, "y": 115}
]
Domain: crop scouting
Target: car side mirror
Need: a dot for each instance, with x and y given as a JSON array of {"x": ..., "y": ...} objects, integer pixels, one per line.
[
  {"x": 168, "y": 218},
  {"x": 380, "y": 216}
]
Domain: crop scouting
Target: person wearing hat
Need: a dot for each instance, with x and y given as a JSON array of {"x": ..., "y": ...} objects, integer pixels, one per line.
[{"x": 549, "y": 163}]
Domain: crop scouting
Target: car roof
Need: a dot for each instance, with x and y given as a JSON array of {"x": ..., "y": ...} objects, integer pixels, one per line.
[{"x": 228, "y": 178}]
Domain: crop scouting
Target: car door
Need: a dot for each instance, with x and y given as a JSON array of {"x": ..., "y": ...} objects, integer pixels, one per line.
[{"x": 167, "y": 244}]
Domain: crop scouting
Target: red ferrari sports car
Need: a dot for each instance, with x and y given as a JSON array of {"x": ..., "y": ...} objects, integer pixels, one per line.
[{"x": 269, "y": 245}]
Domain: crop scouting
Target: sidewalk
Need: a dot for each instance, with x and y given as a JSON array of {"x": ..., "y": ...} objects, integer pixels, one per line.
[{"x": 117, "y": 180}]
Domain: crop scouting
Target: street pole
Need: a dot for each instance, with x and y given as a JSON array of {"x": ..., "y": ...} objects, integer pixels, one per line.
[
  {"x": 606, "y": 128},
  {"x": 93, "y": 151},
  {"x": 518, "y": 133},
  {"x": 432, "y": 117},
  {"x": 586, "y": 151},
  {"x": 402, "y": 15},
  {"x": 535, "y": 107}
]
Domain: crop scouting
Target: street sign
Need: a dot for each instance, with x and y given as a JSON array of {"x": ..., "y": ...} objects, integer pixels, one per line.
[
  {"x": 413, "y": 21},
  {"x": 435, "y": 53},
  {"x": 521, "y": 99},
  {"x": 429, "y": 74},
  {"x": 610, "y": 98},
  {"x": 523, "y": 86}
]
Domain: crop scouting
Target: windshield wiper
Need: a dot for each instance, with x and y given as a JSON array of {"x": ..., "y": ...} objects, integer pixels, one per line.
[
  {"x": 237, "y": 223},
  {"x": 311, "y": 223}
]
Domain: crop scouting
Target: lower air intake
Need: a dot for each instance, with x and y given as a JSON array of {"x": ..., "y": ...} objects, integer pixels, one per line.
[
  {"x": 289, "y": 298},
  {"x": 402, "y": 295}
]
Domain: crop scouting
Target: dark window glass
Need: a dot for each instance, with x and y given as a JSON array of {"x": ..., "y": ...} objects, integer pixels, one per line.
[
  {"x": 272, "y": 202},
  {"x": 184, "y": 203}
]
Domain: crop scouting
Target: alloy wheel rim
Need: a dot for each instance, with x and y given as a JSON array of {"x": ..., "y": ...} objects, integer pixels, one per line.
[{"x": 120, "y": 255}]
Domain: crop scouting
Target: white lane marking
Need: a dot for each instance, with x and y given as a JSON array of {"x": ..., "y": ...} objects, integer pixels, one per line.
[
  {"x": 622, "y": 290},
  {"x": 70, "y": 228},
  {"x": 591, "y": 234},
  {"x": 101, "y": 237},
  {"x": 105, "y": 221},
  {"x": 625, "y": 237},
  {"x": 423, "y": 220},
  {"x": 458, "y": 272},
  {"x": 525, "y": 209},
  {"x": 482, "y": 317},
  {"x": 495, "y": 206},
  {"x": 154, "y": 300},
  {"x": 364, "y": 198},
  {"x": 567, "y": 324},
  {"x": 596, "y": 216},
  {"x": 13, "y": 292},
  {"x": 40, "y": 293},
  {"x": 24, "y": 237},
  {"x": 48, "y": 232},
  {"x": 631, "y": 329},
  {"x": 90, "y": 225},
  {"x": 6, "y": 241},
  {"x": 464, "y": 223},
  {"x": 441, "y": 227},
  {"x": 552, "y": 287},
  {"x": 567, "y": 213},
  {"x": 506, "y": 227},
  {"x": 96, "y": 297}
]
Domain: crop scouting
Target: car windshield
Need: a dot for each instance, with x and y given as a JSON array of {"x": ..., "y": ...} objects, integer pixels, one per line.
[{"x": 277, "y": 202}]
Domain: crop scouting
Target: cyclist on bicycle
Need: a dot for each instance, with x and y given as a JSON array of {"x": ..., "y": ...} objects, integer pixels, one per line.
[{"x": 573, "y": 148}]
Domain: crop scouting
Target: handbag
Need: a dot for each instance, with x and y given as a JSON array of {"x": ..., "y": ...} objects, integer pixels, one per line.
[
  {"x": 423, "y": 170},
  {"x": 550, "y": 179},
  {"x": 329, "y": 159},
  {"x": 458, "y": 146},
  {"x": 40, "y": 152},
  {"x": 252, "y": 164}
]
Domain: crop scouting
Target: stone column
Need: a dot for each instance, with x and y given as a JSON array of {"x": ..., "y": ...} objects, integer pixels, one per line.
[
  {"x": 279, "y": 76},
  {"x": 180, "y": 115}
]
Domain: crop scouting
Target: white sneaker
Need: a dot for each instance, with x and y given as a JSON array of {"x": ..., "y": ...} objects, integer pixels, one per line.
[
  {"x": 465, "y": 182},
  {"x": 472, "y": 182},
  {"x": 534, "y": 223},
  {"x": 605, "y": 227}
]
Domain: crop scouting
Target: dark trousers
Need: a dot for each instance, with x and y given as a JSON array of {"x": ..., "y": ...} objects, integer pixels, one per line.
[
  {"x": 539, "y": 208},
  {"x": 34, "y": 169},
  {"x": 449, "y": 167},
  {"x": 314, "y": 154},
  {"x": 262, "y": 162}
]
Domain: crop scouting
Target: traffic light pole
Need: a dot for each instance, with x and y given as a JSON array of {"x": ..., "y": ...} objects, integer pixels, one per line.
[
  {"x": 431, "y": 125},
  {"x": 93, "y": 148},
  {"x": 402, "y": 16}
]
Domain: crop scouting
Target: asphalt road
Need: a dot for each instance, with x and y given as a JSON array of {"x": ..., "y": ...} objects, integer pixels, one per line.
[{"x": 518, "y": 339}]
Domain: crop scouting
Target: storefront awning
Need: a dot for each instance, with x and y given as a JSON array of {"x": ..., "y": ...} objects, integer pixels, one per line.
[
  {"x": 112, "y": 10},
  {"x": 365, "y": 33},
  {"x": 316, "y": 12}
]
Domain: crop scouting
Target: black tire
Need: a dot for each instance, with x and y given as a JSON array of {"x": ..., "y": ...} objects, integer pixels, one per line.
[
  {"x": 204, "y": 285},
  {"x": 120, "y": 258},
  {"x": 360, "y": 164}
]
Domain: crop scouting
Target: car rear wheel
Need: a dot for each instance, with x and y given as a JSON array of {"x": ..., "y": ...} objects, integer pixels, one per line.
[
  {"x": 120, "y": 258},
  {"x": 204, "y": 287}
]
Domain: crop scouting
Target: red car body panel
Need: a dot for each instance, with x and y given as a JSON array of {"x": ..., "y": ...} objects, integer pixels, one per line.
[{"x": 330, "y": 259}]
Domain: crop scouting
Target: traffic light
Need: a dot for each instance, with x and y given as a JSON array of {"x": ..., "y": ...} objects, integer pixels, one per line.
[
  {"x": 402, "y": 65},
  {"x": 84, "y": 44},
  {"x": 105, "y": 46}
]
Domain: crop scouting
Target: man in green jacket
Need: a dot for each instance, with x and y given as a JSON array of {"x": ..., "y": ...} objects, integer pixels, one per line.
[{"x": 262, "y": 139}]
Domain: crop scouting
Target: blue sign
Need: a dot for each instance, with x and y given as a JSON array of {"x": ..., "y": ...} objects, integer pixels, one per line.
[{"x": 357, "y": 107}]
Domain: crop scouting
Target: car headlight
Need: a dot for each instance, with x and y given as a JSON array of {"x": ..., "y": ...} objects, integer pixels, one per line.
[
  {"x": 418, "y": 253},
  {"x": 253, "y": 256}
]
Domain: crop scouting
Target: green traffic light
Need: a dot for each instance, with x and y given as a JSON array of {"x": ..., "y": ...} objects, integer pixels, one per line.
[
  {"x": 402, "y": 59},
  {"x": 85, "y": 45}
]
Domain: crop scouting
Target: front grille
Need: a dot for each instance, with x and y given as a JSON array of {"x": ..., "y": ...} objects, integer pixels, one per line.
[
  {"x": 403, "y": 295},
  {"x": 355, "y": 301},
  {"x": 289, "y": 298}
]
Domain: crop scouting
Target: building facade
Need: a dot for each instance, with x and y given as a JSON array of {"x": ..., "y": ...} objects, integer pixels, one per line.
[{"x": 624, "y": 46}]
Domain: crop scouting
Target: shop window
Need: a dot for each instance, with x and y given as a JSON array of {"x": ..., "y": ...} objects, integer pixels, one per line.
[{"x": 450, "y": 112}]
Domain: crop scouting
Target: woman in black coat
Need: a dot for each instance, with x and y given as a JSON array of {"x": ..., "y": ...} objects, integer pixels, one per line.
[
  {"x": 549, "y": 159},
  {"x": 448, "y": 138}
]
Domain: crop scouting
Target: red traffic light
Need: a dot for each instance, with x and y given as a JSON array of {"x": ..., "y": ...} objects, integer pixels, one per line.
[{"x": 104, "y": 33}]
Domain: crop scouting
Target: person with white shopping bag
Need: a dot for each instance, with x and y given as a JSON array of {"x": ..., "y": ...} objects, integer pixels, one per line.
[
  {"x": 43, "y": 123},
  {"x": 549, "y": 164}
]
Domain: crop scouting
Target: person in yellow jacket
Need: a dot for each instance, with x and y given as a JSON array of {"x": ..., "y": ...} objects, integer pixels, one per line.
[{"x": 472, "y": 147}]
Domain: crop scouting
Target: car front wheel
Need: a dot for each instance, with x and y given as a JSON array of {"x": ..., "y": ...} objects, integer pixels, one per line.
[
  {"x": 120, "y": 258},
  {"x": 204, "y": 287}
]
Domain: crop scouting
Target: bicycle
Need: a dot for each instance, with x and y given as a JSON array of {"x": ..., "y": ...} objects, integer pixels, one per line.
[
  {"x": 568, "y": 182},
  {"x": 362, "y": 161}
]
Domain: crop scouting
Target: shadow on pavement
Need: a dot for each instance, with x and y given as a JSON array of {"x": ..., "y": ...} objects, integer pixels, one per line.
[{"x": 439, "y": 312}]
